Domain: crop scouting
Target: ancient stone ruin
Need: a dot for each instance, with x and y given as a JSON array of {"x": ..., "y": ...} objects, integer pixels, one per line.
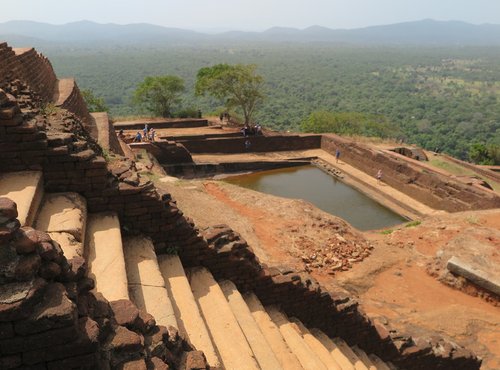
[{"x": 101, "y": 270}]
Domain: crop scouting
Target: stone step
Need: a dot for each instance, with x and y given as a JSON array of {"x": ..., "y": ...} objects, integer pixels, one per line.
[
  {"x": 230, "y": 341},
  {"x": 258, "y": 343},
  {"x": 64, "y": 217},
  {"x": 26, "y": 190},
  {"x": 364, "y": 357},
  {"x": 315, "y": 345},
  {"x": 272, "y": 333},
  {"x": 335, "y": 351},
  {"x": 379, "y": 364},
  {"x": 308, "y": 359},
  {"x": 348, "y": 352},
  {"x": 186, "y": 309},
  {"x": 104, "y": 255},
  {"x": 146, "y": 286}
]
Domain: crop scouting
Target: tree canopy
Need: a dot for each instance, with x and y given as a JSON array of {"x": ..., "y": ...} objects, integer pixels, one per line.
[
  {"x": 94, "y": 103},
  {"x": 238, "y": 84},
  {"x": 485, "y": 154},
  {"x": 159, "y": 94},
  {"x": 349, "y": 123}
]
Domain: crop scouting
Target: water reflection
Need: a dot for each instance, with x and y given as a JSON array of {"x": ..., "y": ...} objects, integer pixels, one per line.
[{"x": 322, "y": 190}]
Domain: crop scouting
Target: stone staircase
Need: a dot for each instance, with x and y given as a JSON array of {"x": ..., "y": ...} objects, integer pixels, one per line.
[{"x": 234, "y": 331}]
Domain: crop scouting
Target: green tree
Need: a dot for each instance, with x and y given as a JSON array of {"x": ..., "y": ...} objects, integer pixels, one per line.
[
  {"x": 238, "y": 84},
  {"x": 94, "y": 103},
  {"x": 349, "y": 123},
  {"x": 159, "y": 94},
  {"x": 482, "y": 154}
]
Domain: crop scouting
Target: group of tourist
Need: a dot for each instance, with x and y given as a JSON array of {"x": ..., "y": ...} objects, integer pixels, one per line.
[
  {"x": 252, "y": 130},
  {"x": 147, "y": 134}
]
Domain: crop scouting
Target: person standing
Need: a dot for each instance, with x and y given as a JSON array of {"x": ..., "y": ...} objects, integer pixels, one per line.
[
  {"x": 337, "y": 155},
  {"x": 379, "y": 176}
]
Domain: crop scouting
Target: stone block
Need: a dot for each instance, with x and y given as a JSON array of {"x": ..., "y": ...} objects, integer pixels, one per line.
[
  {"x": 8, "y": 210},
  {"x": 10, "y": 362},
  {"x": 55, "y": 311},
  {"x": 126, "y": 313},
  {"x": 139, "y": 364},
  {"x": 27, "y": 266},
  {"x": 488, "y": 281},
  {"x": 41, "y": 340},
  {"x": 194, "y": 360},
  {"x": 85, "y": 362},
  {"x": 26, "y": 240},
  {"x": 123, "y": 340}
]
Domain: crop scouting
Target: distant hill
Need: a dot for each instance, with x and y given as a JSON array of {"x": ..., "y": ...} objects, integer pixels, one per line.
[
  {"x": 86, "y": 31},
  {"x": 425, "y": 32}
]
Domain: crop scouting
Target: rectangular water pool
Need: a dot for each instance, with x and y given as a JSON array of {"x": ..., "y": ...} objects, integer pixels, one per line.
[{"x": 324, "y": 191}]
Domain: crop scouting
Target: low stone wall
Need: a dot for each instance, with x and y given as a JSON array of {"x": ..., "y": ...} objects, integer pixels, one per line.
[
  {"x": 200, "y": 170},
  {"x": 435, "y": 190},
  {"x": 216, "y": 134},
  {"x": 257, "y": 144}
]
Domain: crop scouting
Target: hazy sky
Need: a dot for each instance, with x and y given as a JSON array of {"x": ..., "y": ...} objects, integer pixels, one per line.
[{"x": 251, "y": 14}]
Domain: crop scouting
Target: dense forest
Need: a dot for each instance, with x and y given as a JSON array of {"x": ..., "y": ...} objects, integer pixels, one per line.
[{"x": 446, "y": 98}]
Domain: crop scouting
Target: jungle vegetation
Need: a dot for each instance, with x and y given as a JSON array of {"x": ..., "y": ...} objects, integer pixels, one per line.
[{"x": 445, "y": 98}]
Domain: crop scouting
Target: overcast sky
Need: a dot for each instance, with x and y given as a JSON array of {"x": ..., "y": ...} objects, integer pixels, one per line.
[{"x": 250, "y": 14}]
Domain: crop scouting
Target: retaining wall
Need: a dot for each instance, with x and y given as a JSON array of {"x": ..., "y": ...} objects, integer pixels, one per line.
[
  {"x": 435, "y": 190},
  {"x": 157, "y": 124},
  {"x": 200, "y": 170},
  {"x": 257, "y": 144}
]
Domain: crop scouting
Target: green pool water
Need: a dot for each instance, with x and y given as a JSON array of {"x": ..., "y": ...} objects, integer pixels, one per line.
[{"x": 324, "y": 191}]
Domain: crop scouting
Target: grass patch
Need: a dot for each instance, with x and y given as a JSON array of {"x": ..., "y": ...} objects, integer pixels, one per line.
[
  {"x": 458, "y": 170},
  {"x": 387, "y": 232},
  {"x": 451, "y": 167},
  {"x": 413, "y": 223},
  {"x": 473, "y": 220}
]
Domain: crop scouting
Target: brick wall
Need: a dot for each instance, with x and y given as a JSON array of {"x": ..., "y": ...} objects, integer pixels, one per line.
[
  {"x": 28, "y": 66},
  {"x": 432, "y": 189},
  {"x": 69, "y": 98},
  {"x": 257, "y": 144},
  {"x": 50, "y": 319},
  {"x": 38, "y": 72}
]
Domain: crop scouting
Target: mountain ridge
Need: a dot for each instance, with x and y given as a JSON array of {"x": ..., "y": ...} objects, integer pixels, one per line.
[{"x": 427, "y": 31}]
